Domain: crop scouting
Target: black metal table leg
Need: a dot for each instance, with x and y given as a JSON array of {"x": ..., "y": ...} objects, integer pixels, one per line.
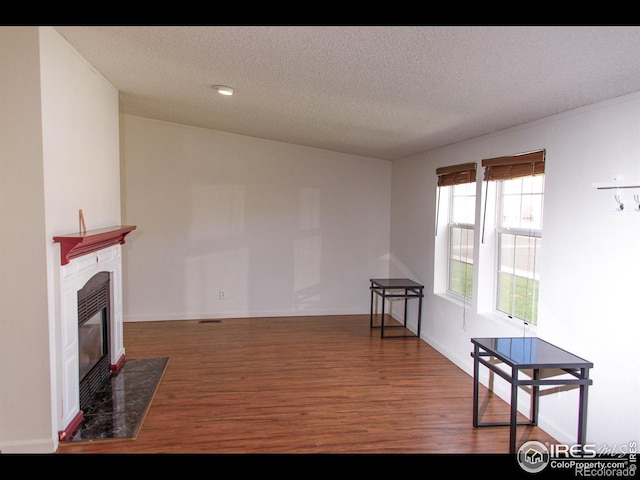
[
  {"x": 382, "y": 315},
  {"x": 535, "y": 397},
  {"x": 476, "y": 369},
  {"x": 582, "y": 407},
  {"x": 371, "y": 312},
  {"x": 404, "y": 323},
  {"x": 513, "y": 422},
  {"x": 419, "y": 314}
]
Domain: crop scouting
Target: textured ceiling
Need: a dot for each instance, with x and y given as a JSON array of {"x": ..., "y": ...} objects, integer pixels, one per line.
[{"x": 378, "y": 91}]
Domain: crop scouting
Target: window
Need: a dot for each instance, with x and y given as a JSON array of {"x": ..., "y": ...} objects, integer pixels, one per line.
[
  {"x": 460, "y": 181},
  {"x": 461, "y": 234},
  {"x": 520, "y": 195}
]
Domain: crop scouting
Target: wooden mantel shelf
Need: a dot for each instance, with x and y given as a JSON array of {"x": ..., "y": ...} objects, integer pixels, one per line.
[{"x": 75, "y": 244}]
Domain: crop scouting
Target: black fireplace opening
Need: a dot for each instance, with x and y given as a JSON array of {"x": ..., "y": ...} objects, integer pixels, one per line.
[{"x": 94, "y": 313}]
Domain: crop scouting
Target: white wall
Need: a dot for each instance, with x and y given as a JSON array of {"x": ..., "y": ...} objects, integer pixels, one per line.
[
  {"x": 589, "y": 267},
  {"x": 60, "y": 154},
  {"x": 81, "y": 159},
  {"x": 25, "y": 383},
  {"x": 283, "y": 229},
  {"x": 81, "y": 141}
]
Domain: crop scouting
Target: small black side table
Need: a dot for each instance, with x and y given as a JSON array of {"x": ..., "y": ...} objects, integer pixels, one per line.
[
  {"x": 530, "y": 355},
  {"x": 396, "y": 288}
]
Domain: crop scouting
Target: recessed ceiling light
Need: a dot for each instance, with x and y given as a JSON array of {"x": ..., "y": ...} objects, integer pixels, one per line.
[{"x": 224, "y": 90}]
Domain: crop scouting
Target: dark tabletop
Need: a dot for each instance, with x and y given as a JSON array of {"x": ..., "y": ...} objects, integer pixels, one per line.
[
  {"x": 530, "y": 352},
  {"x": 395, "y": 283}
]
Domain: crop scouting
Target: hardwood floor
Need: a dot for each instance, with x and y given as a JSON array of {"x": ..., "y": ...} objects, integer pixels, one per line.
[{"x": 326, "y": 384}]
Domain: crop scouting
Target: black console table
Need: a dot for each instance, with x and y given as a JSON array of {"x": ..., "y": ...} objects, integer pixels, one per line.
[
  {"x": 530, "y": 355},
  {"x": 396, "y": 288}
]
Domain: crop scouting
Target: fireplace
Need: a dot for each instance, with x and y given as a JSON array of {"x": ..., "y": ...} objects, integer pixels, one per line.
[
  {"x": 94, "y": 319},
  {"x": 90, "y": 330}
]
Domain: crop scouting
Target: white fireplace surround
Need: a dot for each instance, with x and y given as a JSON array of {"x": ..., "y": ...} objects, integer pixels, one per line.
[{"x": 75, "y": 272}]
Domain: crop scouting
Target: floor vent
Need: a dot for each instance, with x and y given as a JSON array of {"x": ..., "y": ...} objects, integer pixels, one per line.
[{"x": 210, "y": 321}]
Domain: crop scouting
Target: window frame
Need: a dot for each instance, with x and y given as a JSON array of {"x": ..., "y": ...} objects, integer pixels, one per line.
[
  {"x": 451, "y": 226},
  {"x": 448, "y": 178},
  {"x": 497, "y": 170}
]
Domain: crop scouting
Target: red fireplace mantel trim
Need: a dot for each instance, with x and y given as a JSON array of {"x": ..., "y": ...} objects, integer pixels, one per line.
[
  {"x": 116, "y": 367},
  {"x": 75, "y": 423},
  {"x": 75, "y": 244}
]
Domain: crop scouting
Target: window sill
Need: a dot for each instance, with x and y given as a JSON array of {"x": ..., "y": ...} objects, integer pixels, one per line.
[
  {"x": 497, "y": 318},
  {"x": 512, "y": 323},
  {"x": 455, "y": 299}
]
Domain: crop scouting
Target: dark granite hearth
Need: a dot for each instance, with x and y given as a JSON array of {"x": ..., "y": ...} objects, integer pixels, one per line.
[{"x": 119, "y": 407}]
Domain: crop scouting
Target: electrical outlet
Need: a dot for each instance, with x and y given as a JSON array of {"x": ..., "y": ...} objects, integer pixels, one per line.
[{"x": 222, "y": 294}]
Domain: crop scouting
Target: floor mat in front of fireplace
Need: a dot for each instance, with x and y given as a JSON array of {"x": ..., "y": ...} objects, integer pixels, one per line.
[{"x": 118, "y": 409}]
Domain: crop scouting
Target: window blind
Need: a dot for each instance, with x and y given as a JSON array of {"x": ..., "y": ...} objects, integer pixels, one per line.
[
  {"x": 514, "y": 166},
  {"x": 453, "y": 175},
  {"x": 456, "y": 174}
]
